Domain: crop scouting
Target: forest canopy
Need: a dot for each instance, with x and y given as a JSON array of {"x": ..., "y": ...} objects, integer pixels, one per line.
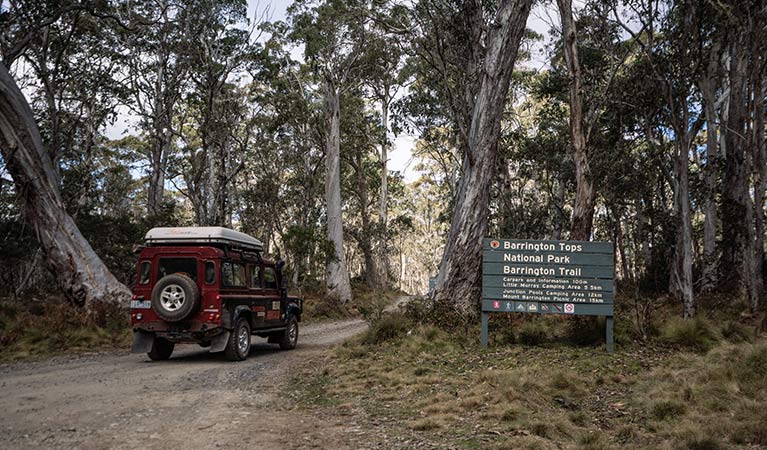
[{"x": 645, "y": 126}]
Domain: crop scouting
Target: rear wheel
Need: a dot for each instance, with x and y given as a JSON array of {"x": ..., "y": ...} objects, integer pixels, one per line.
[
  {"x": 161, "y": 349},
  {"x": 238, "y": 345},
  {"x": 290, "y": 335}
]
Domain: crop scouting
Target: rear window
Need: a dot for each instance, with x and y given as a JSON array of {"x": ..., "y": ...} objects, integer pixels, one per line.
[
  {"x": 145, "y": 272},
  {"x": 169, "y": 266},
  {"x": 210, "y": 272},
  {"x": 232, "y": 274}
]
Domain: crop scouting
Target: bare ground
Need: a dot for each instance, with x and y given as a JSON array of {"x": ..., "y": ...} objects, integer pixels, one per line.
[{"x": 194, "y": 400}]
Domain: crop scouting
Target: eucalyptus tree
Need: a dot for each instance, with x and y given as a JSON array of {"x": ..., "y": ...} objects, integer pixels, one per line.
[
  {"x": 358, "y": 139},
  {"x": 332, "y": 33},
  {"x": 287, "y": 157},
  {"x": 80, "y": 273},
  {"x": 672, "y": 59},
  {"x": 156, "y": 70},
  {"x": 386, "y": 75},
  {"x": 743, "y": 141},
  {"x": 494, "y": 35},
  {"x": 217, "y": 47},
  {"x": 583, "y": 210}
]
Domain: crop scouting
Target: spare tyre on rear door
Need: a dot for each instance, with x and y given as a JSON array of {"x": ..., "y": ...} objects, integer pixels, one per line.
[{"x": 175, "y": 297}]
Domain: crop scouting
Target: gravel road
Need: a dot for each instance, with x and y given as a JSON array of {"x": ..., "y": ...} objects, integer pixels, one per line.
[{"x": 194, "y": 400}]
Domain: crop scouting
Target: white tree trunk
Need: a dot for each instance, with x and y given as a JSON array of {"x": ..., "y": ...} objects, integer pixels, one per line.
[
  {"x": 80, "y": 273},
  {"x": 337, "y": 276},
  {"x": 682, "y": 268},
  {"x": 459, "y": 280},
  {"x": 708, "y": 278},
  {"x": 585, "y": 195},
  {"x": 383, "y": 212}
]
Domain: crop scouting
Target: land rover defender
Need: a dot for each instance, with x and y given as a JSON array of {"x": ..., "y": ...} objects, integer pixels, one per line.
[{"x": 210, "y": 286}]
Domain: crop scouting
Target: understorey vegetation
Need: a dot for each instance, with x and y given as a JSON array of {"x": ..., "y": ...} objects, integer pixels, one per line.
[
  {"x": 688, "y": 385},
  {"x": 41, "y": 327}
]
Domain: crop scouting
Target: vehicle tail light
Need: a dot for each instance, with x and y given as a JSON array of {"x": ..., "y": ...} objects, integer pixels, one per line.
[{"x": 139, "y": 316}]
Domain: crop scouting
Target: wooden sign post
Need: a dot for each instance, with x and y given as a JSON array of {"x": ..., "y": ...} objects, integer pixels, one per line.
[{"x": 548, "y": 277}]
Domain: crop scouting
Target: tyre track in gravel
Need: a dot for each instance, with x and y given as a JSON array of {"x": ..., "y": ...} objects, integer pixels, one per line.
[{"x": 194, "y": 400}]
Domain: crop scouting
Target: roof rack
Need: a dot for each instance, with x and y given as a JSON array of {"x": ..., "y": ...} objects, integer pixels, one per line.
[{"x": 202, "y": 235}]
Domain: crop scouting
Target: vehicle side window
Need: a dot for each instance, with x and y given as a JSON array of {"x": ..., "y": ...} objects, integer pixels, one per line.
[
  {"x": 210, "y": 272},
  {"x": 255, "y": 276},
  {"x": 145, "y": 272},
  {"x": 270, "y": 278},
  {"x": 233, "y": 274}
]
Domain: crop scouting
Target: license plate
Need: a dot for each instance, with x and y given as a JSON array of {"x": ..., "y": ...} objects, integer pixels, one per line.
[{"x": 138, "y": 304}]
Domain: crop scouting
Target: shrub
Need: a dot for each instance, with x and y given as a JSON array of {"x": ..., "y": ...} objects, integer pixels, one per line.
[
  {"x": 324, "y": 308},
  {"x": 34, "y": 327},
  {"x": 585, "y": 330},
  {"x": 695, "y": 334},
  {"x": 533, "y": 333},
  {"x": 371, "y": 306},
  {"x": 389, "y": 327},
  {"x": 736, "y": 332},
  {"x": 668, "y": 409}
]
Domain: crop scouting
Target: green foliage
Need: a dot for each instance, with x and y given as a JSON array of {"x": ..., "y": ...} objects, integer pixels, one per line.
[
  {"x": 389, "y": 327},
  {"x": 318, "y": 307}
]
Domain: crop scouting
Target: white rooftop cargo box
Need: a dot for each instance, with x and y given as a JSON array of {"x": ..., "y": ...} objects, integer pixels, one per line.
[{"x": 202, "y": 235}]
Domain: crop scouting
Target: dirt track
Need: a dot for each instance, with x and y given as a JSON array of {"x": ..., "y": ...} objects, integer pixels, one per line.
[{"x": 194, "y": 400}]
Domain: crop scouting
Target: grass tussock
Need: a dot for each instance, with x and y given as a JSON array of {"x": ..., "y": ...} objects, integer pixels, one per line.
[{"x": 697, "y": 334}]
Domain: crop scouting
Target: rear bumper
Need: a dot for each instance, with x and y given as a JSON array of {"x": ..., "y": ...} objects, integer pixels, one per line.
[
  {"x": 176, "y": 327},
  {"x": 143, "y": 337}
]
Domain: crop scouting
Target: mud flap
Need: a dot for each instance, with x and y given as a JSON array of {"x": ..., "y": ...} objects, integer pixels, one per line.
[
  {"x": 218, "y": 344},
  {"x": 142, "y": 342}
]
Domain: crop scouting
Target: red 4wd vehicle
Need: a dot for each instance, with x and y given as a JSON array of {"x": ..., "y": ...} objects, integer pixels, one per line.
[{"x": 209, "y": 285}]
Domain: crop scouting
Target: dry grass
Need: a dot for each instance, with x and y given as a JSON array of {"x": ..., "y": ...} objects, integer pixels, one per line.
[
  {"x": 33, "y": 328},
  {"x": 442, "y": 390}
]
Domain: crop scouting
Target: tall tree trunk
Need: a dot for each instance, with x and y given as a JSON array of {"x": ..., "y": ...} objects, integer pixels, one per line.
[
  {"x": 156, "y": 171},
  {"x": 366, "y": 236},
  {"x": 80, "y": 273},
  {"x": 708, "y": 278},
  {"x": 585, "y": 195},
  {"x": 760, "y": 186},
  {"x": 459, "y": 280},
  {"x": 337, "y": 276},
  {"x": 681, "y": 272},
  {"x": 735, "y": 202},
  {"x": 383, "y": 213}
]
